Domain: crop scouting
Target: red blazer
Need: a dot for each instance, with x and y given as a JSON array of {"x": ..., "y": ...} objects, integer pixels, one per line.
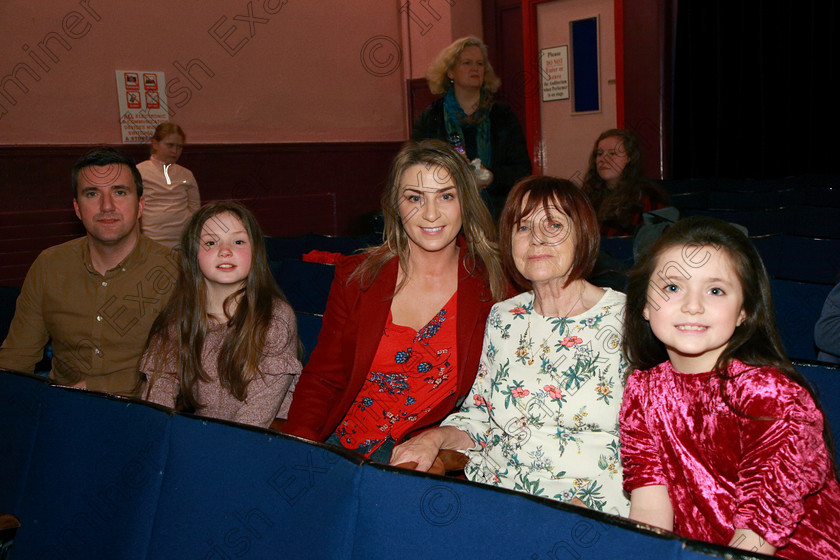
[{"x": 349, "y": 337}]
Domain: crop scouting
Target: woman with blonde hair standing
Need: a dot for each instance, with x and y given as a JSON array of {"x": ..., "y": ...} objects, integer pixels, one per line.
[{"x": 468, "y": 116}]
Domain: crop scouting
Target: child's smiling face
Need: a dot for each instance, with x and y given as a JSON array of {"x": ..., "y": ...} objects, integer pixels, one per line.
[{"x": 693, "y": 309}]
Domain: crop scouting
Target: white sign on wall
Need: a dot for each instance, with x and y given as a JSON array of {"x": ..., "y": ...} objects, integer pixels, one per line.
[
  {"x": 554, "y": 66},
  {"x": 142, "y": 101}
]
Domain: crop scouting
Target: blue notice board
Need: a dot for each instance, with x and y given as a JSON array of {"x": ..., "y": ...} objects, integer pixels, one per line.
[{"x": 585, "y": 84}]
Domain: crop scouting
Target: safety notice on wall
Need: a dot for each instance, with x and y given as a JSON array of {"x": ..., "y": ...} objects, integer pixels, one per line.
[
  {"x": 142, "y": 101},
  {"x": 554, "y": 66}
]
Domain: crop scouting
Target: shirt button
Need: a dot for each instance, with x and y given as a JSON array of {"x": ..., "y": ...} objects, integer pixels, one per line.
[
  {"x": 104, "y": 283},
  {"x": 99, "y": 318}
]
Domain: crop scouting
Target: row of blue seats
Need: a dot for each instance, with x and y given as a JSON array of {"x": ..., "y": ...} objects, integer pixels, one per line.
[
  {"x": 758, "y": 200},
  {"x": 801, "y": 184},
  {"x": 788, "y": 257},
  {"x": 810, "y": 221},
  {"x": 95, "y": 476}
]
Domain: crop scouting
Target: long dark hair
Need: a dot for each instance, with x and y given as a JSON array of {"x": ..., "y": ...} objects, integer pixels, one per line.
[
  {"x": 621, "y": 205},
  {"x": 183, "y": 324},
  {"x": 477, "y": 226},
  {"x": 755, "y": 342}
]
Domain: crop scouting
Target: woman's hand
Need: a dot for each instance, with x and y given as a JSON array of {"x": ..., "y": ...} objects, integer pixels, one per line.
[
  {"x": 424, "y": 448},
  {"x": 488, "y": 177},
  {"x": 421, "y": 449}
]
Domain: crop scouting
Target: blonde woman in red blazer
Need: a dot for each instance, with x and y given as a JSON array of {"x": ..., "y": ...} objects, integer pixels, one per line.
[{"x": 367, "y": 387}]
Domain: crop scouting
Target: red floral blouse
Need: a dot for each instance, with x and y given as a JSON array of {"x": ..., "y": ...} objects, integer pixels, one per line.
[{"x": 411, "y": 373}]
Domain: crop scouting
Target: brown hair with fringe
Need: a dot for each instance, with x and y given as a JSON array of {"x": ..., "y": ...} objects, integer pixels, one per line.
[{"x": 534, "y": 192}]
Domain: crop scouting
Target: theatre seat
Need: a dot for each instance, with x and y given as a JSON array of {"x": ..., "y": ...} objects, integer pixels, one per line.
[
  {"x": 94, "y": 476},
  {"x": 769, "y": 247},
  {"x": 751, "y": 199},
  {"x": 757, "y": 222},
  {"x": 808, "y": 259},
  {"x": 798, "y": 306},
  {"x": 620, "y": 248},
  {"x": 815, "y": 221},
  {"x": 825, "y": 380},
  {"x": 306, "y": 285},
  {"x": 8, "y": 300},
  {"x": 309, "y": 326}
]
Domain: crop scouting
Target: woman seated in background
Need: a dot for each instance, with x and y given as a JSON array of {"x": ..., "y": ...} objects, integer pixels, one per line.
[
  {"x": 170, "y": 190},
  {"x": 401, "y": 335},
  {"x": 827, "y": 329},
  {"x": 468, "y": 116},
  {"x": 542, "y": 416},
  {"x": 616, "y": 184},
  {"x": 226, "y": 344}
]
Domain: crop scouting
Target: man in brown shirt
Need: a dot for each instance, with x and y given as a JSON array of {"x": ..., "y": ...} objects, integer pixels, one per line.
[{"x": 94, "y": 298}]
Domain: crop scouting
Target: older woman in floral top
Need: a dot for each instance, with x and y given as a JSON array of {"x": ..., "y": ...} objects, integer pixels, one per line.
[{"x": 542, "y": 415}]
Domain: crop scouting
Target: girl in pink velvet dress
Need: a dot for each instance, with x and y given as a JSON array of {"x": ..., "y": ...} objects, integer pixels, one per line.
[{"x": 721, "y": 438}]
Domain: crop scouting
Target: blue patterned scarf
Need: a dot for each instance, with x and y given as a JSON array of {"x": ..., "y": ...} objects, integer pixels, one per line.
[{"x": 454, "y": 115}]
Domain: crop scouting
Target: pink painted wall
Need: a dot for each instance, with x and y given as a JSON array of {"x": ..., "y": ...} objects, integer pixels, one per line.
[
  {"x": 427, "y": 35},
  {"x": 296, "y": 72},
  {"x": 567, "y": 138}
]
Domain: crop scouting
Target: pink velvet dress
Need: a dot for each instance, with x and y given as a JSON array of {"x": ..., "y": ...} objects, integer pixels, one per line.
[{"x": 766, "y": 469}]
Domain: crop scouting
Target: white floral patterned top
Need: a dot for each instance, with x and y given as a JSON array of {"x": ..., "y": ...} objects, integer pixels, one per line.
[{"x": 543, "y": 410}]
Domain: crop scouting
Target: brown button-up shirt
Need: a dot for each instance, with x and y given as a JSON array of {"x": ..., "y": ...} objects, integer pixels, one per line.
[{"x": 97, "y": 323}]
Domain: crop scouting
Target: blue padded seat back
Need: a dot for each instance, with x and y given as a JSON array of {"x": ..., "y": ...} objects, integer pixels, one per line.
[
  {"x": 233, "y": 492},
  {"x": 306, "y": 285},
  {"x": 21, "y": 398},
  {"x": 815, "y": 221},
  {"x": 826, "y": 381},
  {"x": 798, "y": 306},
  {"x": 757, "y": 222},
  {"x": 343, "y": 245},
  {"x": 279, "y": 248},
  {"x": 309, "y": 326},
  {"x": 92, "y": 484},
  {"x": 449, "y": 516},
  {"x": 808, "y": 259}
]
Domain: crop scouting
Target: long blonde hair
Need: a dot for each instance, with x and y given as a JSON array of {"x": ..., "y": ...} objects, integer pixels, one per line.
[
  {"x": 445, "y": 61},
  {"x": 477, "y": 226}
]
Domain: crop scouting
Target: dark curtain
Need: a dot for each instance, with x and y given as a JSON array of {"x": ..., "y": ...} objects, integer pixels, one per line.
[{"x": 754, "y": 89}]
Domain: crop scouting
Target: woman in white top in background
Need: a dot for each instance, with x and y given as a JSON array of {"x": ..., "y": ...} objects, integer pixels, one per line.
[{"x": 170, "y": 190}]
